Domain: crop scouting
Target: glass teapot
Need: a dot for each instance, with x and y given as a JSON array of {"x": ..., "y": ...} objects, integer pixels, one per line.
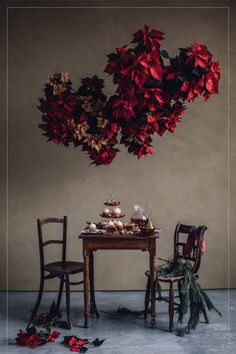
[{"x": 139, "y": 217}]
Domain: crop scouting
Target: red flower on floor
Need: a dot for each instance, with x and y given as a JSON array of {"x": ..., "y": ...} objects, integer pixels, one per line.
[
  {"x": 75, "y": 344},
  {"x": 33, "y": 338},
  {"x": 52, "y": 336},
  {"x": 28, "y": 340},
  {"x": 78, "y": 345}
]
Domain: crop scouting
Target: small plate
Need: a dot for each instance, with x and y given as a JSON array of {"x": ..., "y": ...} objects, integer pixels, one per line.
[
  {"x": 99, "y": 231},
  {"x": 147, "y": 232},
  {"x": 112, "y": 216},
  {"x": 112, "y": 203}
]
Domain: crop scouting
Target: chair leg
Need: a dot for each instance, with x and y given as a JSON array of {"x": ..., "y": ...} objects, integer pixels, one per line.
[
  {"x": 171, "y": 307},
  {"x": 93, "y": 307},
  {"x": 205, "y": 315},
  {"x": 39, "y": 298},
  {"x": 179, "y": 287},
  {"x": 147, "y": 298},
  {"x": 60, "y": 292},
  {"x": 68, "y": 301},
  {"x": 179, "y": 291}
]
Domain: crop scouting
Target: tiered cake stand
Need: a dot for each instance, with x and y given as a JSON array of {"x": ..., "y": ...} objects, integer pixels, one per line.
[{"x": 112, "y": 215}]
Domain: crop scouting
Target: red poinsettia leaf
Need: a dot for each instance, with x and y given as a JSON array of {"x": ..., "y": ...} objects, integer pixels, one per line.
[
  {"x": 140, "y": 78},
  {"x": 127, "y": 71},
  {"x": 185, "y": 86},
  {"x": 84, "y": 117},
  {"x": 156, "y": 72},
  {"x": 171, "y": 76},
  {"x": 157, "y": 34},
  {"x": 138, "y": 36},
  {"x": 145, "y": 63},
  {"x": 131, "y": 90},
  {"x": 76, "y": 349},
  {"x": 72, "y": 342}
]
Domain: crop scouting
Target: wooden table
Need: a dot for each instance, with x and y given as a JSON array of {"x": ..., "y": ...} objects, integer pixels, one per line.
[{"x": 92, "y": 242}]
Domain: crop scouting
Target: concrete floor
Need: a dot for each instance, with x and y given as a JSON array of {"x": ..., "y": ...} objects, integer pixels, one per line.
[{"x": 124, "y": 334}]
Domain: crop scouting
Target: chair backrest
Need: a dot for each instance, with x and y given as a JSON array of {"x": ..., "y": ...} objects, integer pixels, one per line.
[
  {"x": 42, "y": 244},
  {"x": 191, "y": 248}
]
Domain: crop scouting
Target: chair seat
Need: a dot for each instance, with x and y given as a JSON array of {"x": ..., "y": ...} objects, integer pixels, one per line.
[
  {"x": 167, "y": 279},
  {"x": 67, "y": 267},
  {"x": 170, "y": 279}
]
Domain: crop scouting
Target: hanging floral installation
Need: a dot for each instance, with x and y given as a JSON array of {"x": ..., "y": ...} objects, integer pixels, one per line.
[{"x": 150, "y": 96}]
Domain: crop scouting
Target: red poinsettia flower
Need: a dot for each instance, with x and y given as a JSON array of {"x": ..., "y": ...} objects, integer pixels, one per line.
[
  {"x": 212, "y": 79},
  {"x": 137, "y": 74},
  {"x": 171, "y": 116},
  {"x": 104, "y": 157},
  {"x": 153, "y": 99},
  {"x": 122, "y": 109},
  {"x": 117, "y": 61},
  {"x": 199, "y": 55},
  {"x": 53, "y": 336},
  {"x": 111, "y": 130},
  {"x": 34, "y": 338},
  {"x": 154, "y": 119},
  {"x": 143, "y": 150},
  {"x": 26, "y": 340},
  {"x": 151, "y": 62},
  {"x": 77, "y": 345},
  {"x": 193, "y": 89},
  {"x": 75, "y": 342},
  {"x": 58, "y": 119},
  {"x": 94, "y": 81},
  {"x": 150, "y": 40}
]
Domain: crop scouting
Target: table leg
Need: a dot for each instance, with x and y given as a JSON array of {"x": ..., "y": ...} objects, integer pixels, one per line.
[
  {"x": 153, "y": 266},
  {"x": 86, "y": 289},
  {"x": 92, "y": 293}
]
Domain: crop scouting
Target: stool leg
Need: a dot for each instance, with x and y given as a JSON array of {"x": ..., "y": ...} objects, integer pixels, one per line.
[
  {"x": 60, "y": 292},
  {"x": 39, "y": 298},
  {"x": 68, "y": 301},
  {"x": 147, "y": 298},
  {"x": 171, "y": 307}
]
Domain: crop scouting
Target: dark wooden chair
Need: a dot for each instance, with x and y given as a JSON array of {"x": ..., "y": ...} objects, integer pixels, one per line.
[
  {"x": 182, "y": 250},
  {"x": 61, "y": 269}
]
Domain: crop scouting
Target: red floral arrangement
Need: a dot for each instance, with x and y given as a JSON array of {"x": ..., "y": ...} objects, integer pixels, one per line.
[{"x": 151, "y": 90}]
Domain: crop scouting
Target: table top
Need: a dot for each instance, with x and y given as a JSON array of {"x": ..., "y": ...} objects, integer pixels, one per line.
[{"x": 117, "y": 236}]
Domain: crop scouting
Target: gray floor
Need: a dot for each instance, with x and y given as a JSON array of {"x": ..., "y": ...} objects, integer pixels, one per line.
[{"x": 124, "y": 334}]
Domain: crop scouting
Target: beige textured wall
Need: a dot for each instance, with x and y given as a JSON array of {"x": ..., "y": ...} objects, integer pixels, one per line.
[{"x": 186, "y": 179}]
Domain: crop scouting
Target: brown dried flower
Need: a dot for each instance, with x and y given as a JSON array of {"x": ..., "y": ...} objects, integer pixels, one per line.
[
  {"x": 102, "y": 122},
  {"x": 81, "y": 131}
]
